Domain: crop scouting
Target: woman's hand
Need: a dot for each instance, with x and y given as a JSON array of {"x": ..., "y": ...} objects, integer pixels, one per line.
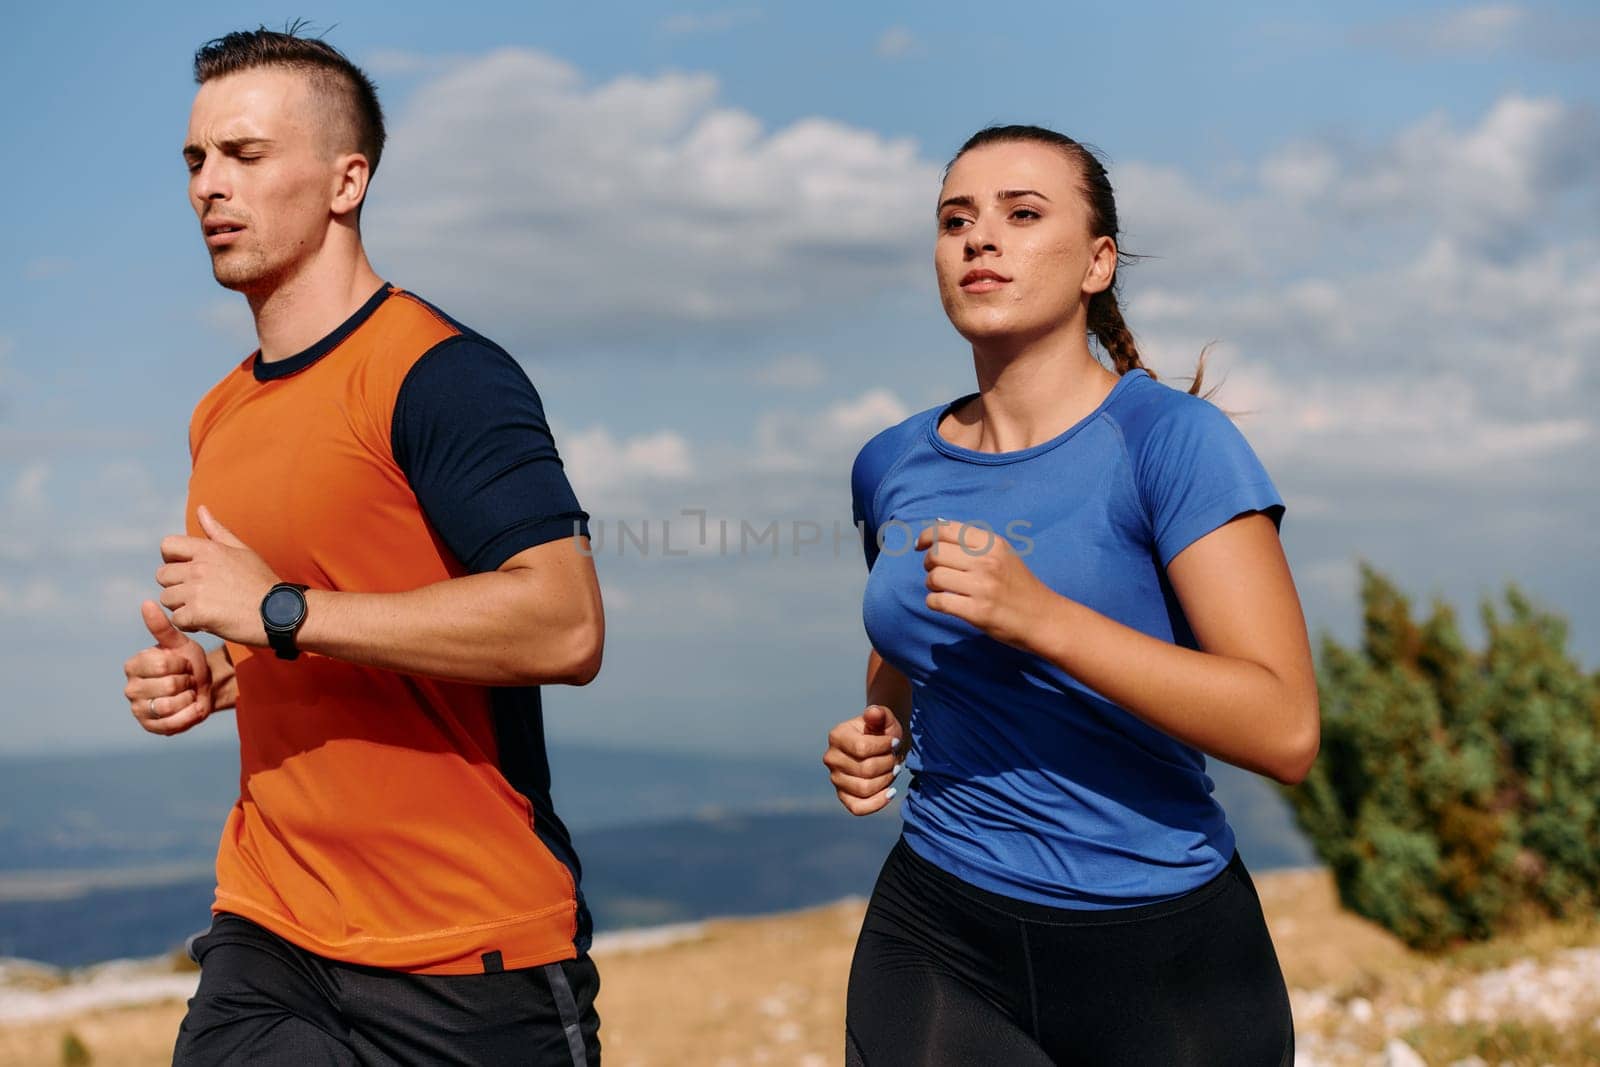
[
  {"x": 863, "y": 757},
  {"x": 975, "y": 575}
]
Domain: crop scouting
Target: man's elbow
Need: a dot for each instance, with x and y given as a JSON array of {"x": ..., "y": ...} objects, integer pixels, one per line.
[
  {"x": 572, "y": 659},
  {"x": 589, "y": 649}
]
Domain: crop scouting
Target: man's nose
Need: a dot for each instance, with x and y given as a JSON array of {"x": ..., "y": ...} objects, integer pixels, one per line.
[{"x": 210, "y": 182}]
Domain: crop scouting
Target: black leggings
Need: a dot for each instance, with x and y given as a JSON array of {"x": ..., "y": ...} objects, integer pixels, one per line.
[{"x": 946, "y": 973}]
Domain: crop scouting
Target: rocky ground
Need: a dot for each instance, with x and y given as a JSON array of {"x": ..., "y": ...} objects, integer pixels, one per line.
[{"x": 770, "y": 991}]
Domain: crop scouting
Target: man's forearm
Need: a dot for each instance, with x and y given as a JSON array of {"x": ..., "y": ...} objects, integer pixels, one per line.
[
  {"x": 525, "y": 626},
  {"x": 224, "y": 683}
]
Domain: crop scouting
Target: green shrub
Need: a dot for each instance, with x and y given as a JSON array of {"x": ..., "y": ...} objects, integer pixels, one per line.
[
  {"x": 74, "y": 1053},
  {"x": 1457, "y": 792}
]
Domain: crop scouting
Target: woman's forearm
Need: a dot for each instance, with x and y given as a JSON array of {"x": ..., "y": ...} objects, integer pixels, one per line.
[
  {"x": 1231, "y": 708},
  {"x": 888, "y": 687}
]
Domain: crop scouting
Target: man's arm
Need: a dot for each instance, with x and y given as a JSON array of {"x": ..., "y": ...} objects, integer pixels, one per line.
[
  {"x": 224, "y": 682},
  {"x": 537, "y": 619},
  {"x": 175, "y": 684}
]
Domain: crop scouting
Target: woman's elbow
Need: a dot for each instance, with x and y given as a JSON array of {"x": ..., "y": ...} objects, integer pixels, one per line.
[{"x": 1297, "y": 758}]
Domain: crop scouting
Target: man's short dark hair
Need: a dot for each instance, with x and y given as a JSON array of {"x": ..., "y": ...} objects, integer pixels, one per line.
[{"x": 332, "y": 75}]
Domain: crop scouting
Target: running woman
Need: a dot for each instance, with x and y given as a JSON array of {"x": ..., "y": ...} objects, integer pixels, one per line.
[
  {"x": 1076, "y": 593},
  {"x": 381, "y": 534}
]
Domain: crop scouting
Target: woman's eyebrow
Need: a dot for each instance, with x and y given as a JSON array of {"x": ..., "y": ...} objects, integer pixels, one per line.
[{"x": 1004, "y": 194}]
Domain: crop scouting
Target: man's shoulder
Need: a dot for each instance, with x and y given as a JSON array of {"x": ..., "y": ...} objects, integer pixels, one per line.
[{"x": 409, "y": 325}]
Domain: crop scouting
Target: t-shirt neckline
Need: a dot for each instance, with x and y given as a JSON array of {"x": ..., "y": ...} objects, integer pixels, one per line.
[
  {"x": 282, "y": 368},
  {"x": 972, "y": 455}
]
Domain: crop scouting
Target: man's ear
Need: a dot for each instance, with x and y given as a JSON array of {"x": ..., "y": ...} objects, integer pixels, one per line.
[{"x": 351, "y": 189}]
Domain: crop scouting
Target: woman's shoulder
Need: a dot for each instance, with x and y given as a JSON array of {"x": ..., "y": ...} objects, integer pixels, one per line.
[
  {"x": 884, "y": 451},
  {"x": 1150, "y": 414},
  {"x": 888, "y": 444}
]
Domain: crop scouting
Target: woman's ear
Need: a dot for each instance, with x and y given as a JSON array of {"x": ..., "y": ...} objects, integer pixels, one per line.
[{"x": 1102, "y": 266}]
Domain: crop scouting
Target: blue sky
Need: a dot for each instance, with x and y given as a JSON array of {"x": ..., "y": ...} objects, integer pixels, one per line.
[{"x": 707, "y": 233}]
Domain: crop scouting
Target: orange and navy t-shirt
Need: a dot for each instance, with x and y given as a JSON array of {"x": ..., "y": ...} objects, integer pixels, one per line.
[{"x": 387, "y": 819}]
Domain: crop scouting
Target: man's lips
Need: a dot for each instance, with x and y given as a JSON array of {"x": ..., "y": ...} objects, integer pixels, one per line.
[
  {"x": 982, "y": 281},
  {"x": 220, "y": 232}
]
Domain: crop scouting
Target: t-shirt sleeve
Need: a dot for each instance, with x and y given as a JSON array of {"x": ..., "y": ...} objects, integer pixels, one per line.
[
  {"x": 865, "y": 476},
  {"x": 470, "y": 434},
  {"x": 1196, "y": 472}
]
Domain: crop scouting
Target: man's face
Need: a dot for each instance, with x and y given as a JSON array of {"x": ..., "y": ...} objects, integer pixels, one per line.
[{"x": 261, "y": 175}]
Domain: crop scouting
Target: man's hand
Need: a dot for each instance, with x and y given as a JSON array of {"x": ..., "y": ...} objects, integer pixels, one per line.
[
  {"x": 169, "y": 686},
  {"x": 977, "y": 576},
  {"x": 861, "y": 759},
  {"x": 215, "y": 583}
]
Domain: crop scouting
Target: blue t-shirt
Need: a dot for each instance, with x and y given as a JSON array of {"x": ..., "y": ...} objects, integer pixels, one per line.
[{"x": 1025, "y": 782}]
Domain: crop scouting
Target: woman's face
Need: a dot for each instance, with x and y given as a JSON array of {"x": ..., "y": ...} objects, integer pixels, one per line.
[{"x": 1014, "y": 255}]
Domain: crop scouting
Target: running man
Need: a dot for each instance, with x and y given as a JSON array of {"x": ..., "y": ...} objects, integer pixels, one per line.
[{"x": 381, "y": 533}]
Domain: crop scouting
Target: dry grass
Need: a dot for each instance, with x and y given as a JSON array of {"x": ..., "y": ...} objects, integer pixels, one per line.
[{"x": 770, "y": 991}]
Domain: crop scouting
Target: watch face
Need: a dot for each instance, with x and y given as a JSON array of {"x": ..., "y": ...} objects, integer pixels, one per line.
[{"x": 283, "y": 608}]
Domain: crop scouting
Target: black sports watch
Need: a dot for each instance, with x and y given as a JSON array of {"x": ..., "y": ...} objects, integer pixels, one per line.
[{"x": 283, "y": 610}]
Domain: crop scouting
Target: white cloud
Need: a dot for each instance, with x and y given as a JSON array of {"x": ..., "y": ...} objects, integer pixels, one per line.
[
  {"x": 896, "y": 42},
  {"x": 1396, "y": 429},
  {"x": 1486, "y": 183},
  {"x": 598, "y": 462},
  {"x": 1400, "y": 309},
  {"x": 829, "y": 440},
  {"x": 641, "y": 206}
]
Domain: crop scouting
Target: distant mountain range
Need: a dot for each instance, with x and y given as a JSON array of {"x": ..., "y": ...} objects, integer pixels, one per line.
[{"x": 109, "y": 855}]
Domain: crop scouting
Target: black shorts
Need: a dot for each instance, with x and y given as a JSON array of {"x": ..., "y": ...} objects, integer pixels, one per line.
[
  {"x": 946, "y": 973},
  {"x": 263, "y": 1000}
]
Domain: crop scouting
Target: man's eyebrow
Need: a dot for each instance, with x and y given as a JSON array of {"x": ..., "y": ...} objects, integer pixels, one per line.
[{"x": 229, "y": 146}]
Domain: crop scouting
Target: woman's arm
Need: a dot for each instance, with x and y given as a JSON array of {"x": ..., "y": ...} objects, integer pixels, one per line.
[
  {"x": 888, "y": 688},
  {"x": 1249, "y": 698},
  {"x": 865, "y": 753}
]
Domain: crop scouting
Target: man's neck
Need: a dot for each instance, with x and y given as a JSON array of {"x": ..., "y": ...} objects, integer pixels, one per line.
[{"x": 303, "y": 309}]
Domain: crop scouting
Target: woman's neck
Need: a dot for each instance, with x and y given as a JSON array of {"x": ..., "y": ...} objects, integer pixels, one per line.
[{"x": 1029, "y": 393}]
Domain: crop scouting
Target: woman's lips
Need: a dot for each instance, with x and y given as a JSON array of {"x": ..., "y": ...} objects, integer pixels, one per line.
[{"x": 982, "y": 281}]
